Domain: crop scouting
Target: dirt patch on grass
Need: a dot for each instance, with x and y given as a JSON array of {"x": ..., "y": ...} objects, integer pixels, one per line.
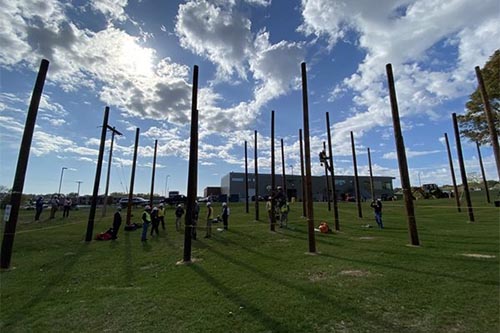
[
  {"x": 476, "y": 255},
  {"x": 355, "y": 273},
  {"x": 317, "y": 276},
  {"x": 193, "y": 261}
]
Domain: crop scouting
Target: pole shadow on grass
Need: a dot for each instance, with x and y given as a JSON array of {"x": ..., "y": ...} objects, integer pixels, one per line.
[
  {"x": 310, "y": 292},
  {"x": 258, "y": 314},
  {"x": 128, "y": 260},
  {"x": 250, "y": 250},
  {"x": 64, "y": 265},
  {"x": 414, "y": 271}
]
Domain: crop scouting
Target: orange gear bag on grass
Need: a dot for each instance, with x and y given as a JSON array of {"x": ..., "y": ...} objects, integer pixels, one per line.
[{"x": 323, "y": 227}]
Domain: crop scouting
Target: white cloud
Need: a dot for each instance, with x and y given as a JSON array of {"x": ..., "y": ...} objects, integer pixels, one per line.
[
  {"x": 219, "y": 33},
  {"x": 410, "y": 153},
  {"x": 405, "y": 33},
  {"x": 113, "y": 9},
  {"x": 130, "y": 76}
]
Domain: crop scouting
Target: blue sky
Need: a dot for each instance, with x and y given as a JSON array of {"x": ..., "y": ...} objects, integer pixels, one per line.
[{"x": 137, "y": 57}]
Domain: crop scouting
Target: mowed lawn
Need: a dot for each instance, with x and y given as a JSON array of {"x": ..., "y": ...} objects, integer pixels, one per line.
[{"x": 252, "y": 280}]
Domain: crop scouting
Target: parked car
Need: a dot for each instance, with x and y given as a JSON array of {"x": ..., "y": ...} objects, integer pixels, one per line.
[
  {"x": 175, "y": 200},
  {"x": 136, "y": 201}
]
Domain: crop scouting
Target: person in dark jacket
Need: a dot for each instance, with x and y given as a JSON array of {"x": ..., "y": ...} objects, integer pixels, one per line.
[
  {"x": 225, "y": 215},
  {"x": 117, "y": 222},
  {"x": 38, "y": 207},
  {"x": 67, "y": 207},
  {"x": 377, "y": 210},
  {"x": 155, "y": 220},
  {"x": 179, "y": 211}
]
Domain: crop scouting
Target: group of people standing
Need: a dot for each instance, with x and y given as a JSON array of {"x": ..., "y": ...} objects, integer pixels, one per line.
[
  {"x": 56, "y": 203},
  {"x": 281, "y": 207},
  {"x": 156, "y": 215}
]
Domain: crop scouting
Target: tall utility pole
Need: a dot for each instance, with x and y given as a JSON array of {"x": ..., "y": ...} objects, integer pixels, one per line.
[
  {"x": 153, "y": 176},
  {"x": 272, "y": 220},
  {"x": 302, "y": 176},
  {"x": 453, "y": 179},
  {"x": 132, "y": 178},
  {"x": 285, "y": 191},
  {"x": 356, "y": 178},
  {"x": 22, "y": 165},
  {"x": 95, "y": 192},
  {"x": 327, "y": 180},
  {"x": 372, "y": 188},
  {"x": 307, "y": 162},
  {"x": 192, "y": 186},
  {"x": 462, "y": 168},
  {"x": 490, "y": 119},
  {"x": 256, "y": 162},
  {"x": 105, "y": 204},
  {"x": 402, "y": 162},
  {"x": 332, "y": 171},
  {"x": 246, "y": 179},
  {"x": 485, "y": 182}
]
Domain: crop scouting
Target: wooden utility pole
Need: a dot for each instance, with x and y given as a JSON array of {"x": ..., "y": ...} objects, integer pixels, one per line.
[
  {"x": 93, "y": 203},
  {"x": 307, "y": 162},
  {"x": 462, "y": 168},
  {"x": 332, "y": 171},
  {"x": 256, "y": 160},
  {"x": 153, "y": 176},
  {"x": 490, "y": 119},
  {"x": 193, "y": 170},
  {"x": 356, "y": 178},
  {"x": 327, "y": 181},
  {"x": 402, "y": 162},
  {"x": 485, "y": 182},
  {"x": 372, "y": 188},
  {"x": 272, "y": 220},
  {"x": 302, "y": 177},
  {"x": 105, "y": 204},
  {"x": 285, "y": 191},
  {"x": 132, "y": 179},
  {"x": 453, "y": 179},
  {"x": 246, "y": 179},
  {"x": 22, "y": 165}
]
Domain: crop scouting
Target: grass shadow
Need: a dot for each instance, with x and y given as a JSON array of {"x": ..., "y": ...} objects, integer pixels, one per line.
[
  {"x": 311, "y": 292},
  {"x": 64, "y": 265},
  {"x": 270, "y": 323}
]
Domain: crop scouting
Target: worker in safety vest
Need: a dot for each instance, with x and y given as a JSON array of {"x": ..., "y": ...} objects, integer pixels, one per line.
[
  {"x": 161, "y": 216},
  {"x": 146, "y": 221}
]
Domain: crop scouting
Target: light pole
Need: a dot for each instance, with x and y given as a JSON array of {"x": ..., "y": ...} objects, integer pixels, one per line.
[
  {"x": 78, "y": 191},
  {"x": 166, "y": 183},
  {"x": 60, "y": 181},
  {"x": 419, "y": 181},
  {"x": 291, "y": 166}
]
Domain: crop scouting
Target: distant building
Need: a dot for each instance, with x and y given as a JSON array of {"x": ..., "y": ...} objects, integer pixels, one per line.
[
  {"x": 233, "y": 185},
  {"x": 212, "y": 191}
]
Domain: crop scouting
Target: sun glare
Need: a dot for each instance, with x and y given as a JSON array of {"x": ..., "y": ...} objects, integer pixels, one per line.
[{"x": 136, "y": 59}]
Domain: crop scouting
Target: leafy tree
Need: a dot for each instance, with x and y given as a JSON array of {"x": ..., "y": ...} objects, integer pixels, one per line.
[{"x": 473, "y": 124}]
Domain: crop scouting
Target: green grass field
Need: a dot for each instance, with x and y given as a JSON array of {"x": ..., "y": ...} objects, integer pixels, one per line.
[{"x": 252, "y": 280}]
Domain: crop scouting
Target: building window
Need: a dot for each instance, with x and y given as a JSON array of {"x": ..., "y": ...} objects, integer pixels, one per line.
[{"x": 387, "y": 185}]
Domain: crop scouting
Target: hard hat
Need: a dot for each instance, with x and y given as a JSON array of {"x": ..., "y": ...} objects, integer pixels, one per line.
[
  {"x": 148, "y": 207},
  {"x": 209, "y": 203},
  {"x": 224, "y": 204}
]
